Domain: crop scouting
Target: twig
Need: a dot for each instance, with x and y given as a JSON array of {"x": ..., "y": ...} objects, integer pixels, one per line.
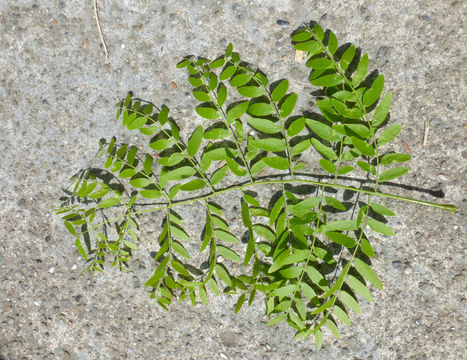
[
  {"x": 425, "y": 135},
  {"x": 100, "y": 31},
  {"x": 187, "y": 22}
]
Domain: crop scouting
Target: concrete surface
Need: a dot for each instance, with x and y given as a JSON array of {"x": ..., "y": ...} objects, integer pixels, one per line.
[{"x": 57, "y": 96}]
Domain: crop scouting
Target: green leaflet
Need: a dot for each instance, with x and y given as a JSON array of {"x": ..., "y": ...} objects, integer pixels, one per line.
[
  {"x": 179, "y": 173},
  {"x": 150, "y": 194},
  {"x": 148, "y": 164},
  {"x": 389, "y": 134},
  {"x": 341, "y": 239},
  {"x": 301, "y": 35},
  {"x": 80, "y": 248},
  {"x": 225, "y": 236},
  {"x": 389, "y": 158},
  {"x": 227, "y": 72},
  {"x": 371, "y": 95},
  {"x": 140, "y": 182},
  {"x": 223, "y": 275},
  {"x": 367, "y": 249},
  {"x": 363, "y": 146},
  {"x": 276, "y": 320},
  {"x": 301, "y": 147},
  {"x": 228, "y": 253},
  {"x": 393, "y": 173},
  {"x": 322, "y": 130},
  {"x": 320, "y": 63},
  {"x": 361, "y": 71},
  {"x": 324, "y": 150},
  {"x": 195, "y": 141},
  {"x": 221, "y": 94},
  {"x": 359, "y": 287},
  {"x": 347, "y": 57},
  {"x": 380, "y": 227},
  {"x": 332, "y": 43},
  {"x": 237, "y": 111},
  {"x": 87, "y": 189},
  {"x": 381, "y": 209},
  {"x": 213, "y": 286},
  {"x": 270, "y": 144},
  {"x": 180, "y": 249},
  {"x": 296, "y": 127},
  {"x": 382, "y": 110},
  {"x": 136, "y": 123},
  {"x": 108, "y": 203},
  {"x": 367, "y": 273},
  {"x": 349, "y": 301},
  {"x": 280, "y": 90},
  {"x": 160, "y": 144},
  {"x": 217, "y": 63},
  {"x": 201, "y": 95},
  {"x": 288, "y": 105},
  {"x": 158, "y": 274},
  {"x": 303, "y": 207},
  {"x": 216, "y": 134},
  {"x": 207, "y": 112},
  {"x": 284, "y": 291},
  {"x": 264, "y": 125},
  {"x": 179, "y": 233},
  {"x": 278, "y": 163},
  {"x": 327, "y": 80},
  {"x": 341, "y": 315},
  {"x": 239, "y": 80},
  {"x": 260, "y": 109},
  {"x": 193, "y": 185},
  {"x": 340, "y": 225},
  {"x": 250, "y": 91},
  {"x": 366, "y": 167},
  {"x": 331, "y": 325},
  {"x": 239, "y": 303},
  {"x": 312, "y": 47},
  {"x": 218, "y": 175},
  {"x": 328, "y": 166},
  {"x": 265, "y": 232}
]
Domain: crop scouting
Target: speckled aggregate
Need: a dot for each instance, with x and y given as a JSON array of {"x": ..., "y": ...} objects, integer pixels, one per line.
[{"x": 58, "y": 93}]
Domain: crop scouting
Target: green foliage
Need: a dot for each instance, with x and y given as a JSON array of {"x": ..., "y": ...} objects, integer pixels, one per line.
[{"x": 307, "y": 249}]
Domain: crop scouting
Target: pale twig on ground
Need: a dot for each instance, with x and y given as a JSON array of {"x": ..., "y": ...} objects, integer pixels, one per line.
[
  {"x": 100, "y": 31},
  {"x": 425, "y": 135}
]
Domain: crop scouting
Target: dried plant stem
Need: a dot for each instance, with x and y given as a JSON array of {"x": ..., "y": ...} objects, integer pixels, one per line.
[
  {"x": 100, "y": 30},
  {"x": 425, "y": 135}
]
